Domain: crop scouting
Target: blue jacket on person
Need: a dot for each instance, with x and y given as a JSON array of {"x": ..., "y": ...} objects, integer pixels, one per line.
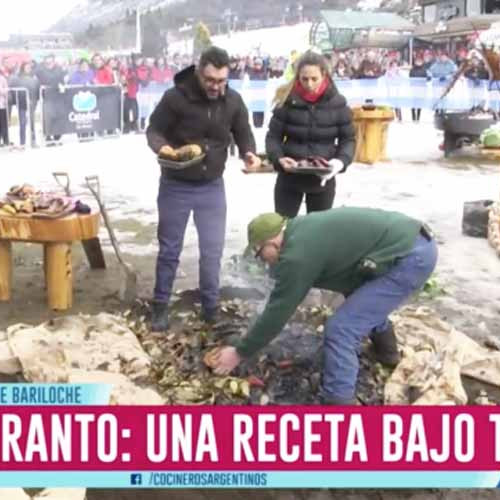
[
  {"x": 443, "y": 69},
  {"x": 82, "y": 78}
]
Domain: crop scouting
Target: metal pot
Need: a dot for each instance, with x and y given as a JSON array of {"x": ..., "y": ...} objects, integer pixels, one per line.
[{"x": 462, "y": 123}]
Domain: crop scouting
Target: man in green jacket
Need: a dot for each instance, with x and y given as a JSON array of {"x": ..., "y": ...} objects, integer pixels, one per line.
[{"x": 376, "y": 259}]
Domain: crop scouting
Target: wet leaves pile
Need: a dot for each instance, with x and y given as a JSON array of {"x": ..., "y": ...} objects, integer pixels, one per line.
[{"x": 288, "y": 371}]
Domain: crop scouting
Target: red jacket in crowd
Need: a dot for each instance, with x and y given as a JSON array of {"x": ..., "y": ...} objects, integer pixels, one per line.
[
  {"x": 161, "y": 75},
  {"x": 136, "y": 76},
  {"x": 104, "y": 76}
]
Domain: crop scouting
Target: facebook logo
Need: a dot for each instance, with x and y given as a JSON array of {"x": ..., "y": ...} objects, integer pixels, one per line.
[{"x": 135, "y": 479}]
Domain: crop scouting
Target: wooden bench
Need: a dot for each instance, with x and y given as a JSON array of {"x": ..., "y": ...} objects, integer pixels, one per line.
[{"x": 57, "y": 237}]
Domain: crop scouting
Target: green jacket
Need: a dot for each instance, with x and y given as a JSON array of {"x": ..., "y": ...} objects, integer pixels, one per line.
[{"x": 327, "y": 250}]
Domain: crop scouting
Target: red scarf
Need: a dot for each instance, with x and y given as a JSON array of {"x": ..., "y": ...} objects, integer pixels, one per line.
[{"x": 310, "y": 96}]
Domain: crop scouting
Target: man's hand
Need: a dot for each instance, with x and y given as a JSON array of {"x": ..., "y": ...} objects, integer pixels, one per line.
[
  {"x": 226, "y": 360},
  {"x": 167, "y": 151},
  {"x": 287, "y": 163},
  {"x": 252, "y": 161}
]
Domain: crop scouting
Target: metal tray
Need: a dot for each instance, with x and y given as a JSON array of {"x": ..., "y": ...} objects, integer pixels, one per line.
[
  {"x": 311, "y": 170},
  {"x": 181, "y": 165}
]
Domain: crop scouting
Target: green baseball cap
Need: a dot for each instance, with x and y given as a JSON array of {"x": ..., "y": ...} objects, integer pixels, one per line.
[{"x": 263, "y": 228}]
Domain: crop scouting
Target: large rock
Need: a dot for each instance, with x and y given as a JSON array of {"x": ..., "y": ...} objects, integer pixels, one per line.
[
  {"x": 435, "y": 355},
  {"x": 475, "y": 218},
  {"x": 124, "y": 391},
  {"x": 13, "y": 494},
  {"x": 61, "y": 494},
  {"x": 49, "y": 352},
  {"x": 9, "y": 362}
]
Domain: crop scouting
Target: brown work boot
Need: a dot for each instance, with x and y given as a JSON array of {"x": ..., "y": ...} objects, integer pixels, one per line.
[{"x": 386, "y": 347}]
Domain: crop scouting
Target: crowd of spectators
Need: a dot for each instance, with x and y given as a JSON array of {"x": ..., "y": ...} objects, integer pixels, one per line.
[
  {"x": 133, "y": 72},
  {"x": 130, "y": 72}
]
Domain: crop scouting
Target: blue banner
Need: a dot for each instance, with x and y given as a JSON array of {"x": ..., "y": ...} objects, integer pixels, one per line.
[
  {"x": 54, "y": 394},
  {"x": 396, "y": 92},
  {"x": 253, "y": 480}
]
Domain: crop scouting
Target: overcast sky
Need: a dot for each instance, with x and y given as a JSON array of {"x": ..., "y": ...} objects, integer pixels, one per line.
[{"x": 31, "y": 16}]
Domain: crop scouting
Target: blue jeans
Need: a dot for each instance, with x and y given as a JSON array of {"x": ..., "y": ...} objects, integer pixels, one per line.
[
  {"x": 176, "y": 201},
  {"x": 23, "y": 122},
  {"x": 367, "y": 309}
]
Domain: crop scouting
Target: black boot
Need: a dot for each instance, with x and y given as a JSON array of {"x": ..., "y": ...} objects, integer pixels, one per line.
[
  {"x": 159, "y": 319},
  {"x": 334, "y": 401},
  {"x": 386, "y": 347},
  {"x": 210, "y": 316}
]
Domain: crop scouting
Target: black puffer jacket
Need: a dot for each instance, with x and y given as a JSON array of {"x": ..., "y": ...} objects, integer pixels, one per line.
[
  {"x": 299, "y": 129},
  {"x": 418, "y": 71},
  {"x": 186, "y": 116}
]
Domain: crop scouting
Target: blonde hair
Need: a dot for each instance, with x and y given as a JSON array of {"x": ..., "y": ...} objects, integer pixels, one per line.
[{"x": 309, "y": 58}]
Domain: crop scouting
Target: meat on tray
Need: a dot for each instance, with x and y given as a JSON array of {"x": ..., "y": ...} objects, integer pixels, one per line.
[{"x": 313, "y": 162}]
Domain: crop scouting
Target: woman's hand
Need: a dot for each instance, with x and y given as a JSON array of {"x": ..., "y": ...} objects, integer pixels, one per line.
[
  {"x": 336, "y": 167},
  {"x": 287, "y": 163}
]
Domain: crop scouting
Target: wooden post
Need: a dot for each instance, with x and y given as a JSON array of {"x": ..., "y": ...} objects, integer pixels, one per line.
[
  {"x": 5, "y": 269},
  {"x": 59, "y": 275},
  {"x": 45, "y": 266}
]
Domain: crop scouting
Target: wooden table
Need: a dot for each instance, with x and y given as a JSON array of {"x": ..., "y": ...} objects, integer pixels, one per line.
[
  {"x": 56, "y": 236},
  {"x": 371, "y": 134}
]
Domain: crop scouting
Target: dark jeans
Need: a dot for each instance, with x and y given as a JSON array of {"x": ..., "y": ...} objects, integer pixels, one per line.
[
  {"x": 415, "y": 114},
  {"x": 130, "y": 106},
  {"x": 258, "y": 119},
  {"x": 23, "y": 119},
  {"x": 176, "y": 201},
  {"x": 287, "y": 200},
  {"x": 4, "y": 128},
  {"x": 367, "y": 309}
]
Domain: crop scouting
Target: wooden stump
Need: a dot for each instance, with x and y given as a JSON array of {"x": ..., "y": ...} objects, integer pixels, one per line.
[
  {"x": 5, "y": 269},
  {"x": 59, "y": 275},
  {"x": 371, "y": 134},
  {"x": 56, "y": 235}
]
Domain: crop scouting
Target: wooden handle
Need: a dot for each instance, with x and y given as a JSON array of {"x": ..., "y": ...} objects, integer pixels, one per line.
[
  {"x": 94, "y": 185},
  {"x": 65, "y": 186},
  {"x": 95, "y": 188}
]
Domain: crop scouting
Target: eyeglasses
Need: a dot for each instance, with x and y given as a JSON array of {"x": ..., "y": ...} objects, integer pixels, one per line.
[
  {"x": 258, "y": 251},
  {"x": 219, "y": 82}
]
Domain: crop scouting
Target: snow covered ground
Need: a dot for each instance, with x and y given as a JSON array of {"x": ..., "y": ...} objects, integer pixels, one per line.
[
  {"x": 417, "y": 181},
  {"x": 277, "y": 41}
]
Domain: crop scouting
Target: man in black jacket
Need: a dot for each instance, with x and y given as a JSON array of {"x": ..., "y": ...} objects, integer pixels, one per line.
[
  {"x": 200, "y": 109},
  {"x": 50, "y": 75}
]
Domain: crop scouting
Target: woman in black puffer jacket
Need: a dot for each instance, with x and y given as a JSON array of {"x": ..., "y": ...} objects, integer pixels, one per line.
[{"x": 311, "y": 118}]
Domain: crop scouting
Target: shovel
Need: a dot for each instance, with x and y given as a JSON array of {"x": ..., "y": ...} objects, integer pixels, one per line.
[
  {"x": 92, "y": 247},
  {"x": 128, "y": 282},
  {"x": 62, "y": 178}
]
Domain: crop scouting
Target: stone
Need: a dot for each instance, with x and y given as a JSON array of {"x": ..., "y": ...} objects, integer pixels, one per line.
[
  {"x": 61, "y": 494},
  {"x": 124, "y": 391},
  {"x": 103, "y": 342},
  {"x": 476, "y": 217},
  {"x": 9, "y": 363},
  {"x": 13, "y": 494}
]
